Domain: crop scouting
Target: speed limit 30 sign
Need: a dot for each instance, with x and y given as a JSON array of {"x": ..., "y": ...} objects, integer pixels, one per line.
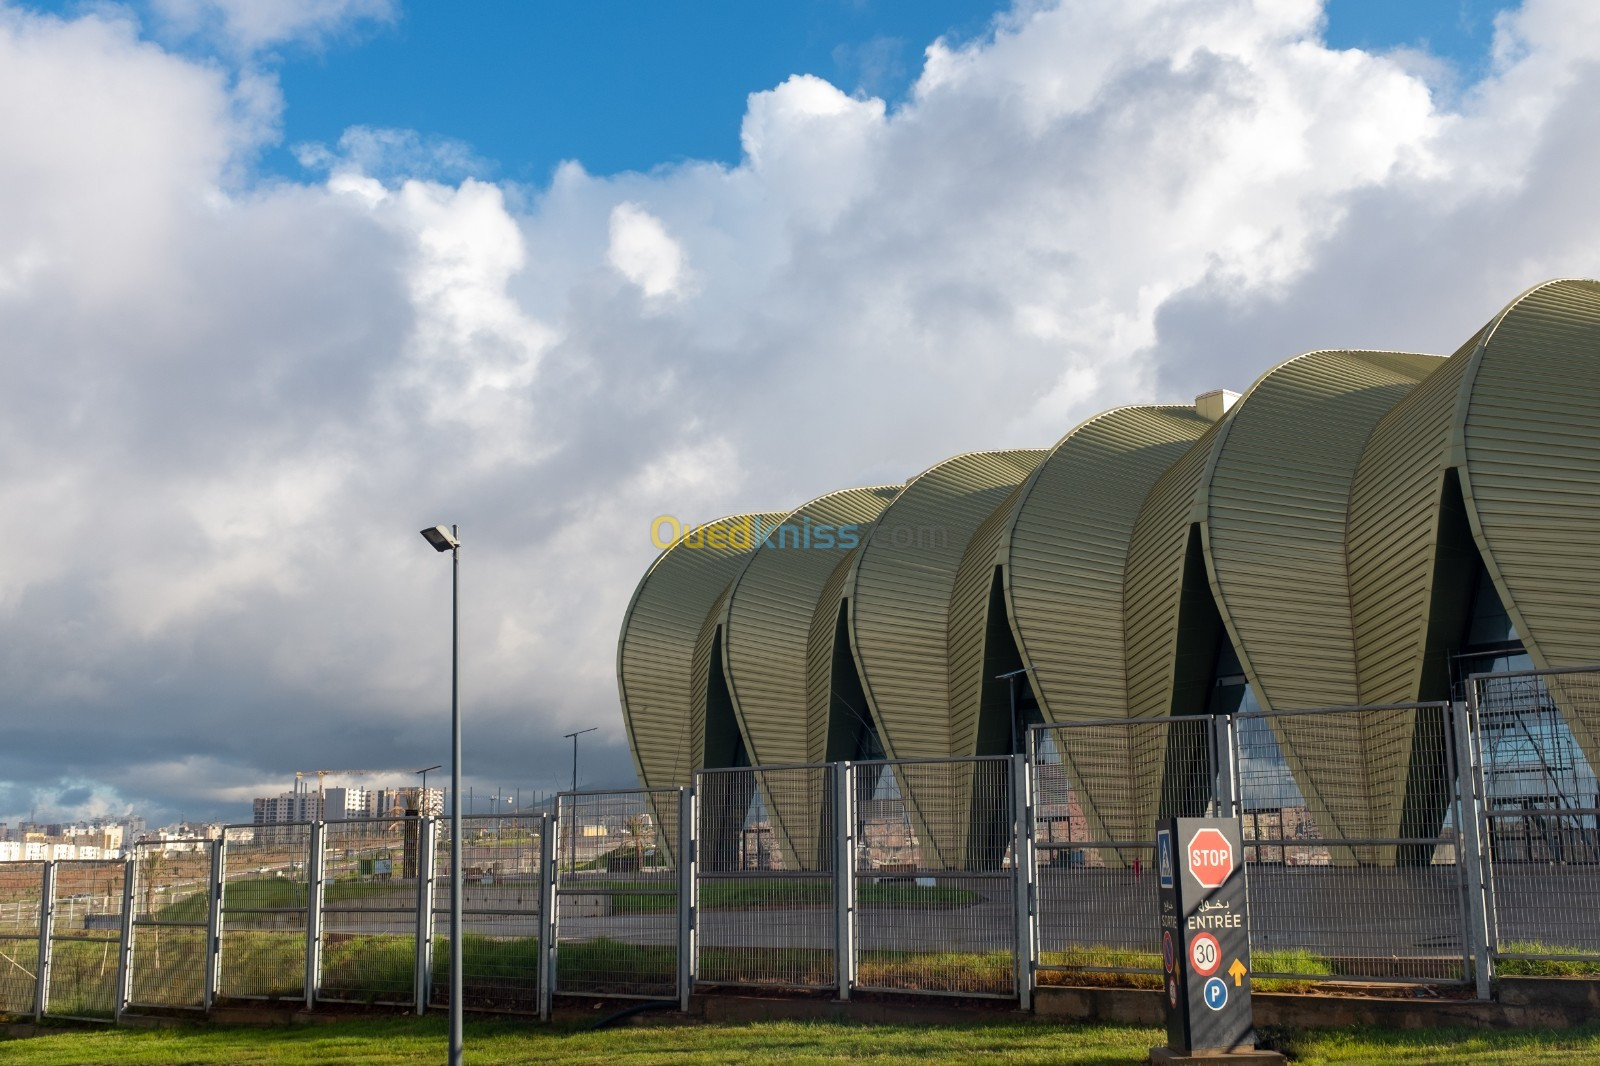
[{"x": 1205, "y": 954}]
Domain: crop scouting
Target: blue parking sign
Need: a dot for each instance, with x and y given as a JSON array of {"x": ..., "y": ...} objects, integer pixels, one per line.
[{"x": 1216, "y": 994}]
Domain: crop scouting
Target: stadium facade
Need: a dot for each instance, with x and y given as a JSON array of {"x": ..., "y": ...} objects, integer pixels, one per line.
[{"x": 1358, "y": 528}]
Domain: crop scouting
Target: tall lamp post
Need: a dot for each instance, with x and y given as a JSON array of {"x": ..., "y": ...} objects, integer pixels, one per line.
[
  {"x": 574, "y": 738},
  {"x": 448, "y": 540}
]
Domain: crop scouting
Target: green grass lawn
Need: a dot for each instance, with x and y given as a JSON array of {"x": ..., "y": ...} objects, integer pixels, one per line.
[{"x": 411, "y": 1040}]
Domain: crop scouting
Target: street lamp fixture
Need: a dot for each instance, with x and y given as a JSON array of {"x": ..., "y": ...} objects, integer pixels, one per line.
[
  {"x": 1011, "y": 683},
  {"x": 422, "y": 800},
  {"x": 574, "y": 738},
  {"x": 449, "y": 540}
]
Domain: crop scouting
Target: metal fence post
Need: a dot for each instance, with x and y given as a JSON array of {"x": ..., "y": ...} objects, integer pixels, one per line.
[
  {"x": 47, "y": 921},
  {"x": 844, "y": 877},
  {"x": 546, "y": 977},
  {"x": 314, "y": 913},
  {"x": 1225, "y": 765},
  {"x": 125, "y": 955},
  {"x": 1022, "y": 877},
  {"x": 686, "y": 896},
  {"x": 213, "y": 973},
  {"x": 1469, "y": 821},
  {"x": 427, "y": 841}
]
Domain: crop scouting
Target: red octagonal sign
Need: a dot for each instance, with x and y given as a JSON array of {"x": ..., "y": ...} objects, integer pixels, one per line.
[{"x": 1210, "y": 858}]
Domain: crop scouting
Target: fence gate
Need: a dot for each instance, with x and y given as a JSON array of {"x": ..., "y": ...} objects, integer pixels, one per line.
[
  {"x": 262, "y": 928},
  {"x": 935, "y": 899},
  {"x": 85, "y": 953},
  {"x": 1541, "y": 811},
  {"x": 767, "y": 893},
  {"x": 1350, "y": 831},
  {"x": 618, "y": 891},
  {"x": 1098, "y": 788},
  {"x": 369, "y": 911},
  {"x": 170, "y": 924},
  {"x": 21, "y": 885},
  {"x": 500, "y": 913}
]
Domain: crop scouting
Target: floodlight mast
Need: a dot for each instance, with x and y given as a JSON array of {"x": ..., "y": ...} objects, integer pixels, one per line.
[{"x": 449, "y": 540}]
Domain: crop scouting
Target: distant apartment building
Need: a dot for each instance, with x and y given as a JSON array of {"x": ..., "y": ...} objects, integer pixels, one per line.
[
  {"x": 287, "y": 807},
  {"x": 396, "y": 802}
]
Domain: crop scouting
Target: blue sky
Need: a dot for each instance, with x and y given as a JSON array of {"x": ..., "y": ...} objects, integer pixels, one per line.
[
  {"x": 525, "y": 84},
  {"x": 632, "y": 85}
]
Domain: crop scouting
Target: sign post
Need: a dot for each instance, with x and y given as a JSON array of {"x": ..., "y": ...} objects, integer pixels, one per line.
[{"x": 1205, "y": 944}]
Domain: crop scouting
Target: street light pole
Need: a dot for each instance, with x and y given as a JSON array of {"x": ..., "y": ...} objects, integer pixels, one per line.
[
  {"x": 574, "y": 737},
  {"x": 422, "y": 800},
  {"x": 443, "y": 540}
]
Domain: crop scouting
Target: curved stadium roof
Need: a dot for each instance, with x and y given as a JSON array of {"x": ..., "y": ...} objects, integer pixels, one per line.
[{"x": 1326, "y": 526}]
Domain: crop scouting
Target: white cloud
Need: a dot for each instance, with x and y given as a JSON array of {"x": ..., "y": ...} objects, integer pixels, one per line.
[
  {"x": 250, "y": 25},
  {"x": 644, "y": 252},
  {"x": 230, "y": 404}
]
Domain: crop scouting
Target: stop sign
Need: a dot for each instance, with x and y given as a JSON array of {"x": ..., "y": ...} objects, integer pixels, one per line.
[{"x": 1210, "y": 858}]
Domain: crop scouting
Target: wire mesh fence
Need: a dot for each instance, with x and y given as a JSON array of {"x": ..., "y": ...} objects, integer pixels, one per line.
[
  {"x": 1098, "y": 789},
  {"x": 21, "y": 889},
  {"x": 85, "y": 938},
  {"x": 935, "y": 907},
  {"x": 1537, "y": 734},
  {"x": 500, "y": 913},
  {"x": 171, "y": 904},
  {"x": 1349, "y": 829},
  {"x": 617, "y": 893},
  {"x": 369, "y": 911},
  {"x": 765, "y": 875},
  {"x": 1406, "y": 843},
  {"x": 265, "y": 894}
]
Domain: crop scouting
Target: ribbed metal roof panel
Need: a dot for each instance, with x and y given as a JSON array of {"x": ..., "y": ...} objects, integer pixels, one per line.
[
  {"x": 655, "y": 649},
  {"x": 1154, "y": 582},
  {"x": 900, "y": 594},
  {"x": 769, "y": 615},
  {"x": 1530, "y": 436},
  {"x": 1392, "y": 534},
  {"x": 1277, "y": 502},
  {"x": 1066, "y": 561}
]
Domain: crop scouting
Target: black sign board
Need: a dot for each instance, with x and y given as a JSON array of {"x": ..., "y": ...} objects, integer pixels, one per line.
[{"x": 1205, "y": 940}]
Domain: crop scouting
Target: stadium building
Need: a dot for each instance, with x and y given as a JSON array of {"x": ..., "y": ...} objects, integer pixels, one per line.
[{"x": 1358, "y": 528}]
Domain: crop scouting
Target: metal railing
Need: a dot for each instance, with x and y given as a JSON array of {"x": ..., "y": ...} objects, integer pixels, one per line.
[
  {"x": 504, "y": 860},
  {"x": 624, "y": 895},
  {"x": 1349, "y": 827},
  {"x": 1425, "y": 843},
  {"x": 1539, "y": 806},
  {"x": 169, "y": 928},
  {"x": 765, "y": 877},
  {"x": 936, "y": 862}
]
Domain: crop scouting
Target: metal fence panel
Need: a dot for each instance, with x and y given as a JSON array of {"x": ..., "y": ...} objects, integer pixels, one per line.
[
  {"x": 1098, "y": 789},
  {"x": 617, "y": 893},
  {"x": 1542, "y": 810},
  {"x": 766, "y": 877},
  {"x": 1351, "y": 844},
  {"x": 262, "y": 953},
  {"x": 935, "y": 897},
  {"x": 500, "y": 913},
  {"x": 20, "y": 887},
  {"x": 369, "y": 910},
  {"x": 86, "y": 938},
  {"x": 171, "y": 898}
]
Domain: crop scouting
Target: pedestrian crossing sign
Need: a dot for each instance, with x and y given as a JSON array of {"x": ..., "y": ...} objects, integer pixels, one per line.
[{"x": 1164, "y": 857}]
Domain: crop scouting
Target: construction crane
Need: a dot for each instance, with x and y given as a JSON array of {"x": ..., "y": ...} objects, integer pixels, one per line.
[{"x": 299, "y": 775}]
